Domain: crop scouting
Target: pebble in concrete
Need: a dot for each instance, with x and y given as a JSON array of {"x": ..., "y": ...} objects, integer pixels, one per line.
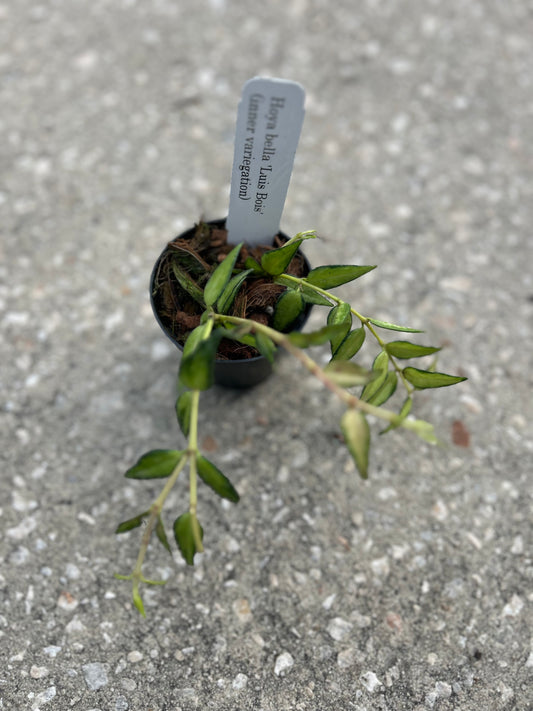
[
  {"x": 95, "y": 675},
  {"x": 283, "y": 663}
]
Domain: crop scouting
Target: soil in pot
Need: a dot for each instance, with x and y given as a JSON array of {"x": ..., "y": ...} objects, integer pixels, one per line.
[{"x": 184, "y": 268}]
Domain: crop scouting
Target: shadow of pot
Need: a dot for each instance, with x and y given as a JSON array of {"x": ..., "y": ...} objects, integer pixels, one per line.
[{"x": 242, "y": 373}]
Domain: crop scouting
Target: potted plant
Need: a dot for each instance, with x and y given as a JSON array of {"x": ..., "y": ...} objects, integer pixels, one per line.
[{"x": 233, "y": 307}]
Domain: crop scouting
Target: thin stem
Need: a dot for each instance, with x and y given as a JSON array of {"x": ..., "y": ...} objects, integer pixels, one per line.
[
  {"x": 312, "y": 366},
  {"x": 193, "y": 453},
  {"x": 289, "y": 280},
  {"x": 155, "y": 511}
]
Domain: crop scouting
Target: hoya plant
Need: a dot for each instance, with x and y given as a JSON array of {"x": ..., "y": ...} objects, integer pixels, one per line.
[{"x": 228, "y": 301}]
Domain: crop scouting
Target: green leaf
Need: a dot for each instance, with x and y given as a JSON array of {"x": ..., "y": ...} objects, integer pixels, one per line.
[
  {"x": 424, "y": 430},
  {"x": 253, "y": 264},
  {"x": 357, "y": 436},
  {"x": 393, "y": 326},
  {"x": 220, "y": 277},
  {"x": 340, "y": 315},
  {"x": 195, "y": 337},
  {"x": 197, "y": 371},
  {"x": 405, "y": 349},
  {"x": 226, "y": 299},
  {"x": 183, "y": 411},
  {"x": 350, "y": 345},
  {"x": 161, "y": 534},
  {"x": 379, "y": 371},
  {"x": 346, "y": 373},
  {"x": 184, "y": 534},
  {"x": 405, "y": 410},
  {"x": 313, "y": 297},
  {"x": 328, "y": 277},
  {"x": 265, "y": 346},
  {"x": 386, "y": 390},
  {"x": 156, "y": 464},
  {"x": 137, "y": 601},
  {"x": 213, "y": 477},
  {"x": 277, "y": 260},
  {"x": 188, "y": 284},
  {"x": 288, "y": 307},
  {"x": 131, "y": 523},
  {"x": 422, "y": 379},
  {"x": 316, "y": 338}
]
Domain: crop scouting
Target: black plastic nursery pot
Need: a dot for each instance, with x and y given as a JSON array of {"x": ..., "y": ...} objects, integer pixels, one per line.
[{"x": 241, "y": 373}]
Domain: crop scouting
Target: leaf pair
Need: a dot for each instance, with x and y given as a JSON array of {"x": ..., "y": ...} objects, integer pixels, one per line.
[
  {"x": 348, "y": 343},
  {"x": 220, "y": 277},
  {"x": 381, "y": 380},
  {"x": 188, "y": 532}
]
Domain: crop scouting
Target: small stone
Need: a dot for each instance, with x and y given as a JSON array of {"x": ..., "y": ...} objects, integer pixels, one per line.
[
  {"x": 44, "y": 697},
  {"x": 20, "y": 556},
  {"x": 187, "y": 693},
  {"x": 346, "y": 658},
  {"x": 370, "y": 681},
  {"x": 439, "y": 510},
  {"x": 241, "y": 608},
  {"x": 95, "y": 675},
  {"x": 506, "y": 692},
  {"x": 339, "y": 629},
  {"x": 359, "y": 620},
  {"x": 25, "y": 527},
  {"x": 328, "y": 602},
  {"x": 443, "y": 690},
  {"x": 134, "y": 657},
  {"x": 403, "y": 212},
  {"x": 283, "y": 663},
  {"x": 240, "y": 682},
  {"x": 51, "y": 651},
  {"x": 72, "y": 571},
  {"x": 67, "y": 602},
  {"x": 86, "y": 61},
  {"x": 518, "y": 546},
  {"x": 75, "y": 626},
  {"x": 387, "y": 493},
  {"x": 513, "y": 607},
  {"x": 160, "y": 350},
  {"x": 128, "y": 684},
  {"x": 121, "y": 704},
  {"x": 38, "y": 672},
  {"x": 394, "y": 621},
  {"x": 380, "y": 567}
]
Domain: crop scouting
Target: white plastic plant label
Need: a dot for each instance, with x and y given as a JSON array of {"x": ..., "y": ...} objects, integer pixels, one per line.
[{"x": 269, "y": 122}]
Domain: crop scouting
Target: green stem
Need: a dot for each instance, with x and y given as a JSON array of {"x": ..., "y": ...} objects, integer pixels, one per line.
[
  {"x": 193, "y": 453},
  {"x": 155, "y": 511},
  {"x": 289, "y": 280},
  {"x": 312, "y": 366}
]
